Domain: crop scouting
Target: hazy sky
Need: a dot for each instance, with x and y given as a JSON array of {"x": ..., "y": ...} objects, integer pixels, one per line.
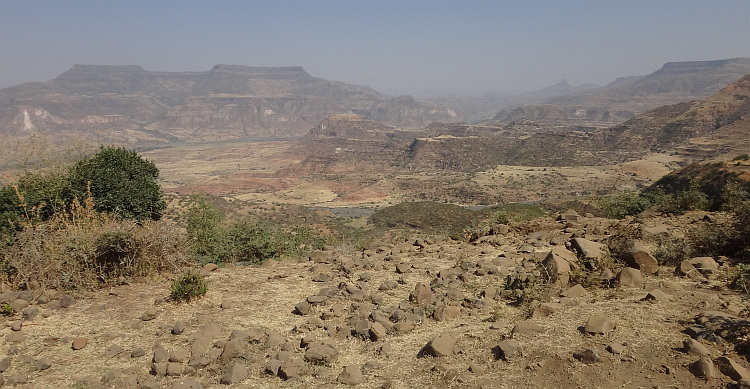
[{"x": 397, "y": 47}]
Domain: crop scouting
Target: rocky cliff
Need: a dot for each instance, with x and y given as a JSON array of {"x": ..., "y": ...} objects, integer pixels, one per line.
[
  {"x": 128, "y": 104},
  {"x": 628, "y": 97}
]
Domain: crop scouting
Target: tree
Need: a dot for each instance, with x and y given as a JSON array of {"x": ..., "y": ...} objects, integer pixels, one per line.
[{"x": 121, "y": 183}]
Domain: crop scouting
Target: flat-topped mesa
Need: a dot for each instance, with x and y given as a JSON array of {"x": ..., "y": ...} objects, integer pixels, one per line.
[
  {"x": 350, "y": 126},
  {"x": 700, "y": 66},
  {"x": 253, "y": 71}
]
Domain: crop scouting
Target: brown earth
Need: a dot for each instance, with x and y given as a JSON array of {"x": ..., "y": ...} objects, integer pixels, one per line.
[{"x": 255, "y": 304}]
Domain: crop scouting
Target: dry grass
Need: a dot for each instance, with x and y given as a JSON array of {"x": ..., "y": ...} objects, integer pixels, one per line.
[{"x": 263, "y": 297}]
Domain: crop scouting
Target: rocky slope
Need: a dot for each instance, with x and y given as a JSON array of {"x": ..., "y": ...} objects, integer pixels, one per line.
[
  {"x": 505, "y": 311},
  {"x": 127, "y": 104},
  {"x": 714, "y": 127},
  {"x": 627, "y": 97}
]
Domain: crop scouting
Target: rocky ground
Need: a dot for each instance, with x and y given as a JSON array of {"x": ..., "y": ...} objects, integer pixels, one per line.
[{"x": 406, "y": 313}]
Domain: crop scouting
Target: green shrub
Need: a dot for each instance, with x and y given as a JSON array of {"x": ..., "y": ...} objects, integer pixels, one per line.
[
  {"x": 627, "y": 203},
  {"x": 6, "y": 309},
  {"x": 187, "y": 286},
  {"x": 121, "y": 183},
  {"x": 33, "y": 198},
  {"x": 205, "y": 233},
  {"x": 247, "y": 240}
]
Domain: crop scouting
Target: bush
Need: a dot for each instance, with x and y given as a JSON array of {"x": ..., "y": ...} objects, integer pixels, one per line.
[
  {"x": 83, "y": 250},
  {"x": 627, "y": 203},
  {"x": 121, "y": 183},
  {"x": 188, "y": 286},
  {"x": 247, "y": 240},
  {"x": 34, "y": 198},
  {"x": 203, "y": 224}
]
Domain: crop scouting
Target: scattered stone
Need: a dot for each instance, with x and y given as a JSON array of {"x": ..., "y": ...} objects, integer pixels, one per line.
[
  {"x": 180, "y": 355},
  {"x": 291, "y": 368},
  {"x": 149, "y": 315},
  {"x": 178, "y": 328},
  {"x": 705, "y": 265},
  {"x": 274, "y": 339},
  {"x": 574, "y": 291},
  {"x": 587, "y": 356},
  {"x": 79, "y": 343},
  {"x": 137, "y": 353},
  {"x": 236, "y": 374},
  {"x": 174, "y": 369},
  {"x": 507, "y": 348},
  {"x": 422, "y": 294},
  {"x": 323, "y": 353},
  {"x": 233, "y": 349},
  {"x": 444, "y": 312},
  {"x": 113, "y": 350},
  {"x": 703, "y": 368},
  {"x": 686, "y": 269},
  {"x": 16, "y": 325},
  {"x": 17, "y": 379},
  {"x": 599, "y": 325},
  {"x": 19, "y": 305},
  {"x": 732, "y": 369},
  {"x": 402, "y": 268},
  {"x": 29, "y": 313},
  {"x": 629, "y": 276},
  {"x": 160, "y": 355},
  {"x": 67, "y": 301},
  {"x": 656, "y": 295},
  {"x": 590, "y": 251},
  {"x": 546, "y": 309},
  {"x": 440, "y": 346},
  {"x": 43, "y": 364},
  {"x": 616, "y": 348},
  {"x": 636, "y": 256},
  {"x": 377, "y": 331},
  {"x": 527, "y": 327},
  {"x": 351, "y": 375},
  {"x": 317, "y": 299},
  {"x": 4, "y": 364},
  {"x": 558, "y": 265},
  {"x": 209, "y": 267},
  {"x": 302, "y": 308}
]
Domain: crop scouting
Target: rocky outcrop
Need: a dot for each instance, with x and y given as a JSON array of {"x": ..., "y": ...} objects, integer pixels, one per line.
[{"x": 128, "y": 104}]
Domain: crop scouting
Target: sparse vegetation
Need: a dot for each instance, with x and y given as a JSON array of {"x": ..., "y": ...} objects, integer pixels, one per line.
[
  {"x": 188, "y": 286},
  {"x": 81, "y": 249},
  {"x": 214, "y": 238}
]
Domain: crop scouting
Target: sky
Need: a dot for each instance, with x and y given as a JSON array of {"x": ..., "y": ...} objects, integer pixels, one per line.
[{"x": 422, "y": 48}]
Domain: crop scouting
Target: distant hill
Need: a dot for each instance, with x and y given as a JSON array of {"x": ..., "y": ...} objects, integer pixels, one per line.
[
  {"x": 628, "y": 97},
  {"x": 717, "y": 127},
  {"x": 128, "y": 104}
]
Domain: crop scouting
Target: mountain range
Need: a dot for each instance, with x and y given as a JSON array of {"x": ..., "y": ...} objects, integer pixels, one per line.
[
  {"x": 127, "y": 104},
  {"x": 130, "y": 105}
]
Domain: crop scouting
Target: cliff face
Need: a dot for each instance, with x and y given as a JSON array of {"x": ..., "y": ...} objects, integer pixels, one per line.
[
  {"x": 128, "y": 104},
  {"x": 628, "y": 97}
]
